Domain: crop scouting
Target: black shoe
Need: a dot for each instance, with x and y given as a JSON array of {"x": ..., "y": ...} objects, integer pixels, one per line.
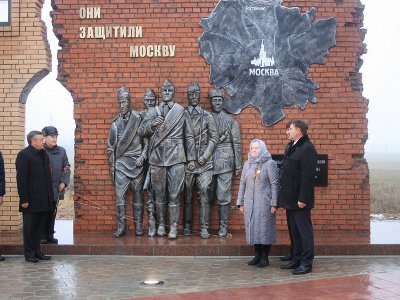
[
  {"x": 43, "y": 257},
  {"x": 31, "y": 259},
  {"x": 254, "y": 261},
  {"x": 302, "y": 270},
  {"x": 2, "y": 258},
  {"x": 288, "y": 257},
  {"x": 263, "y": 263},
  {"x": 290, "y": 265},
  {"x": 43, "y": 241},
  {"x": 52, "y": 240}
]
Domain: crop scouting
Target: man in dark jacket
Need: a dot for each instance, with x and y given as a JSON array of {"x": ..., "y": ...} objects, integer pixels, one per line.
[
  {"x": 60, "y": 176},
  {"x": 35, "y": 193},
  {"x": 297, "y": 196},
  {"x": 2, "y": 186},
  {"x": 288, "y": 257}
]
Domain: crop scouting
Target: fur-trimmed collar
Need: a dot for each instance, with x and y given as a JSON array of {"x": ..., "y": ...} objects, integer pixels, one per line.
[{"x": 300, "y": 142}]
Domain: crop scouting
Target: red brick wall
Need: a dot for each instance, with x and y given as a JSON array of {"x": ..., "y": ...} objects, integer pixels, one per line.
[
  {"x": 24, "y": 60},
  {"x": 93, "y": 69}
]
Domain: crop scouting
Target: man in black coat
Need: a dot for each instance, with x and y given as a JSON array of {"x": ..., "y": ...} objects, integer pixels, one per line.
[
  {"x": 297, "y": 196},
  {"x": 35, "y": 193},
  {"x": 60, "y": 177},
  {"x": 288, "y": 257},
  {"x": 2, "y": 186}
]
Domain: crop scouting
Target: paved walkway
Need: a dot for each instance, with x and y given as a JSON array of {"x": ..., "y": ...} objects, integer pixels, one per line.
[{"x": 119, "y": 277}]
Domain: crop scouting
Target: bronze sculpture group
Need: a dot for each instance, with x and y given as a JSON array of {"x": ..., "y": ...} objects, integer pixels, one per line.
[{"x": 167, "y": 149}]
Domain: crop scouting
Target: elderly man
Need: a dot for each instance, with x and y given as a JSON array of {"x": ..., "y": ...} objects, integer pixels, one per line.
[
  {"x": 35, "y": 193},
  {"x": 60, "y": 176},
  {"x": 171, "y": 146},
  {"x": 206, "y": 138},
  {"x": 127, "y": 153},
  {"x": 227, "y": 158},
  {"x": 296, "y": 195}
]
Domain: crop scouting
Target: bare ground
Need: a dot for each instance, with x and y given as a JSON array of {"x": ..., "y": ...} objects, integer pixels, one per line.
[{"x": 65, "y": 209}]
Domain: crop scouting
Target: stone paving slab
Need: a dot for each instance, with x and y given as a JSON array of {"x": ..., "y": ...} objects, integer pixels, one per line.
[{"x": 119, "y": 277}]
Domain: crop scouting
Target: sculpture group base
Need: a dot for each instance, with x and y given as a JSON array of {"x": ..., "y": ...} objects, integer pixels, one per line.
[{"x": 327, "y": 243}]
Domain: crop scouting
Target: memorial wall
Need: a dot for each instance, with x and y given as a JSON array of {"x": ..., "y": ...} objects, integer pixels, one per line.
[
  {"x": 24, "y": 60},
  {"x": 275, "y": 61}
]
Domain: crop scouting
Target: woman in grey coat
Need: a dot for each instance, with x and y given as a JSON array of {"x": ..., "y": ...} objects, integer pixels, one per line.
[{"x": 257, "y": 200}]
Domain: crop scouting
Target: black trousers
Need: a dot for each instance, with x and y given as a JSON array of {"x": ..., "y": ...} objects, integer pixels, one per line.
[
  {"x": 33, "y": 227},
  {"x": 290, "y": 233},
  {"x": 50, "y": 222},
  {"x": 303, "y": 236}
]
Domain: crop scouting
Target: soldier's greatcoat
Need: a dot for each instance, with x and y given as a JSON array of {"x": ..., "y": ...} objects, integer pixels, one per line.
[{"x": 125, "y": 146}]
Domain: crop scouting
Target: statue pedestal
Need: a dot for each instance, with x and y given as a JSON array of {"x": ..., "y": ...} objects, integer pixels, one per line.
[{"x": 104, "y": 244}]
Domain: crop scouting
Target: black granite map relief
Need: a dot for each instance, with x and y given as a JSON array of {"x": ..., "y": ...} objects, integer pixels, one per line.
[{"x": 260, "y": 53}]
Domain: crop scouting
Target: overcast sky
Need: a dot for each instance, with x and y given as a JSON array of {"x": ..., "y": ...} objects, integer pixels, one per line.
[
  {"x": 381, "y": 74},
  {"x": 50, "y": 104}
]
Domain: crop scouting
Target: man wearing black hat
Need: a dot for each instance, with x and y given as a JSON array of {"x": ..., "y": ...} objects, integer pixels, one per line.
[{"x": 60, "y": 177}]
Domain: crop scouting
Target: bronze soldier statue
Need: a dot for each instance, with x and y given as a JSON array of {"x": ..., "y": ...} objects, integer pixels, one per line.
[
  {"x": 227, "y": 158},
  {"x": 171, "y": 146},
  {"x": 149, "y": 102},
  {"x": 127, "y": 152},
  {"x": 206, "y": 138}
]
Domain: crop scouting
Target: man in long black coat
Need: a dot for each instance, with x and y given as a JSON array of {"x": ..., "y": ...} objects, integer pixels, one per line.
[
  {"x": 2, "y": 186},
  {"x": 297, "y": 196},
  {"x": 35, "y": 193}
]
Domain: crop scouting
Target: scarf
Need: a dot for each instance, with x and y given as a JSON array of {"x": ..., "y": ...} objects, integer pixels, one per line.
[{"x": 263, "y": 156}]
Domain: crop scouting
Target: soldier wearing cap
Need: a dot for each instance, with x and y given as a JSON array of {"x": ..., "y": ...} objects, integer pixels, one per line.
[
  {"x": 60, "y": 178},
  {"x": 206, "y": 138},
  {"x": 127, "y": 153},
  {"x": 171, "y": 146},
  {"x": 149, "y": 102},
  {"x": 227, "y": 158}
]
